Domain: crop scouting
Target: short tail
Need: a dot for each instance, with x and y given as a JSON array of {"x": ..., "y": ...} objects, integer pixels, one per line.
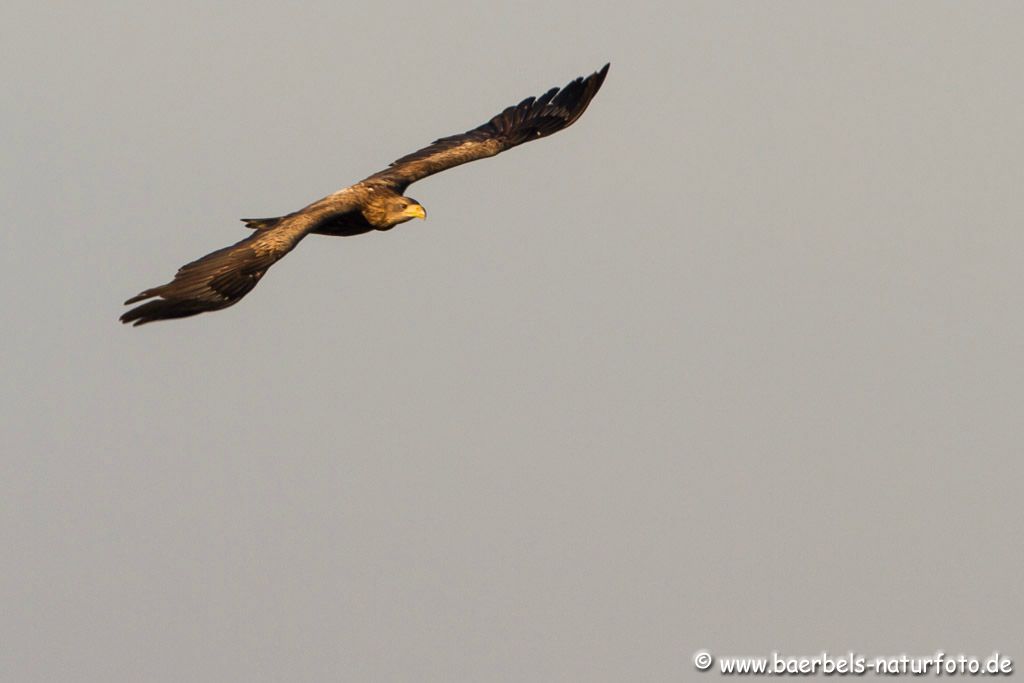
[{"x": 262, "y": 223}]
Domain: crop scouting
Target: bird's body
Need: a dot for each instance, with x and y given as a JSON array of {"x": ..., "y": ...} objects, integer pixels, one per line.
[{"x": 221, "y": 278}]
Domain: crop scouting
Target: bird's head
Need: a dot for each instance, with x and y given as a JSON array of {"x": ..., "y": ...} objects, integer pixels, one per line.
[
  {"x": 384, "y": 208},
  {"x": 402, "y": 209}
]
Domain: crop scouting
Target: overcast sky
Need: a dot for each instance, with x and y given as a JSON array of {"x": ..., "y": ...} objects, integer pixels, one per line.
[{"x": 734, "y": 363}]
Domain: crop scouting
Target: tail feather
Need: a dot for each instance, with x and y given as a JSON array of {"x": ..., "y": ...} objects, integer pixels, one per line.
[{"x": 262, "y": 223}]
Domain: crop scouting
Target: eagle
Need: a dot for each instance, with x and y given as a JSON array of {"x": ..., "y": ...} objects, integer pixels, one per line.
[{"x": 221, "y": 278}]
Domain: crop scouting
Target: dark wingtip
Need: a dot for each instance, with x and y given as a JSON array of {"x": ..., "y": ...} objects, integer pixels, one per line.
[
  {"x": 167, "y": 309},
  {"x": 135, "y": 316},
  {"x": 137, "y": 298},
  {"x": 127, "y": 317}
]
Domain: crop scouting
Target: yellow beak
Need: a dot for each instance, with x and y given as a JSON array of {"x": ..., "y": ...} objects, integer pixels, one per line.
[{"x": 415, "y": 211}]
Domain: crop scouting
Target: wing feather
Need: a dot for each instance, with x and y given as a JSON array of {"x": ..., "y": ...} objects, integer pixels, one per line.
[
  {"x": 531, "y": 119},
  {"x": 221, "y": 278}
]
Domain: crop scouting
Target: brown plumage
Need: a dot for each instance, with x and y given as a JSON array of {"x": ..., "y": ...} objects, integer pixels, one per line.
[{"x": 221, "y": 278}]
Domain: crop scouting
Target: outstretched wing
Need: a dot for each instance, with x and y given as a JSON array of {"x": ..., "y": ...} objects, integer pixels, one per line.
[
  {"x": 531, "y": 119},
  {"x": 221, "y": 278}
]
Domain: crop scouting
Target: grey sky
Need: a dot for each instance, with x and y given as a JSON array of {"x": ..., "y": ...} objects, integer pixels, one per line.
[{"x": 733, "y": 363}]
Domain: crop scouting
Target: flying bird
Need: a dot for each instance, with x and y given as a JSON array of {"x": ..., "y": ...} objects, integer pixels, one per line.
[{"x": 221, "y": 278}]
